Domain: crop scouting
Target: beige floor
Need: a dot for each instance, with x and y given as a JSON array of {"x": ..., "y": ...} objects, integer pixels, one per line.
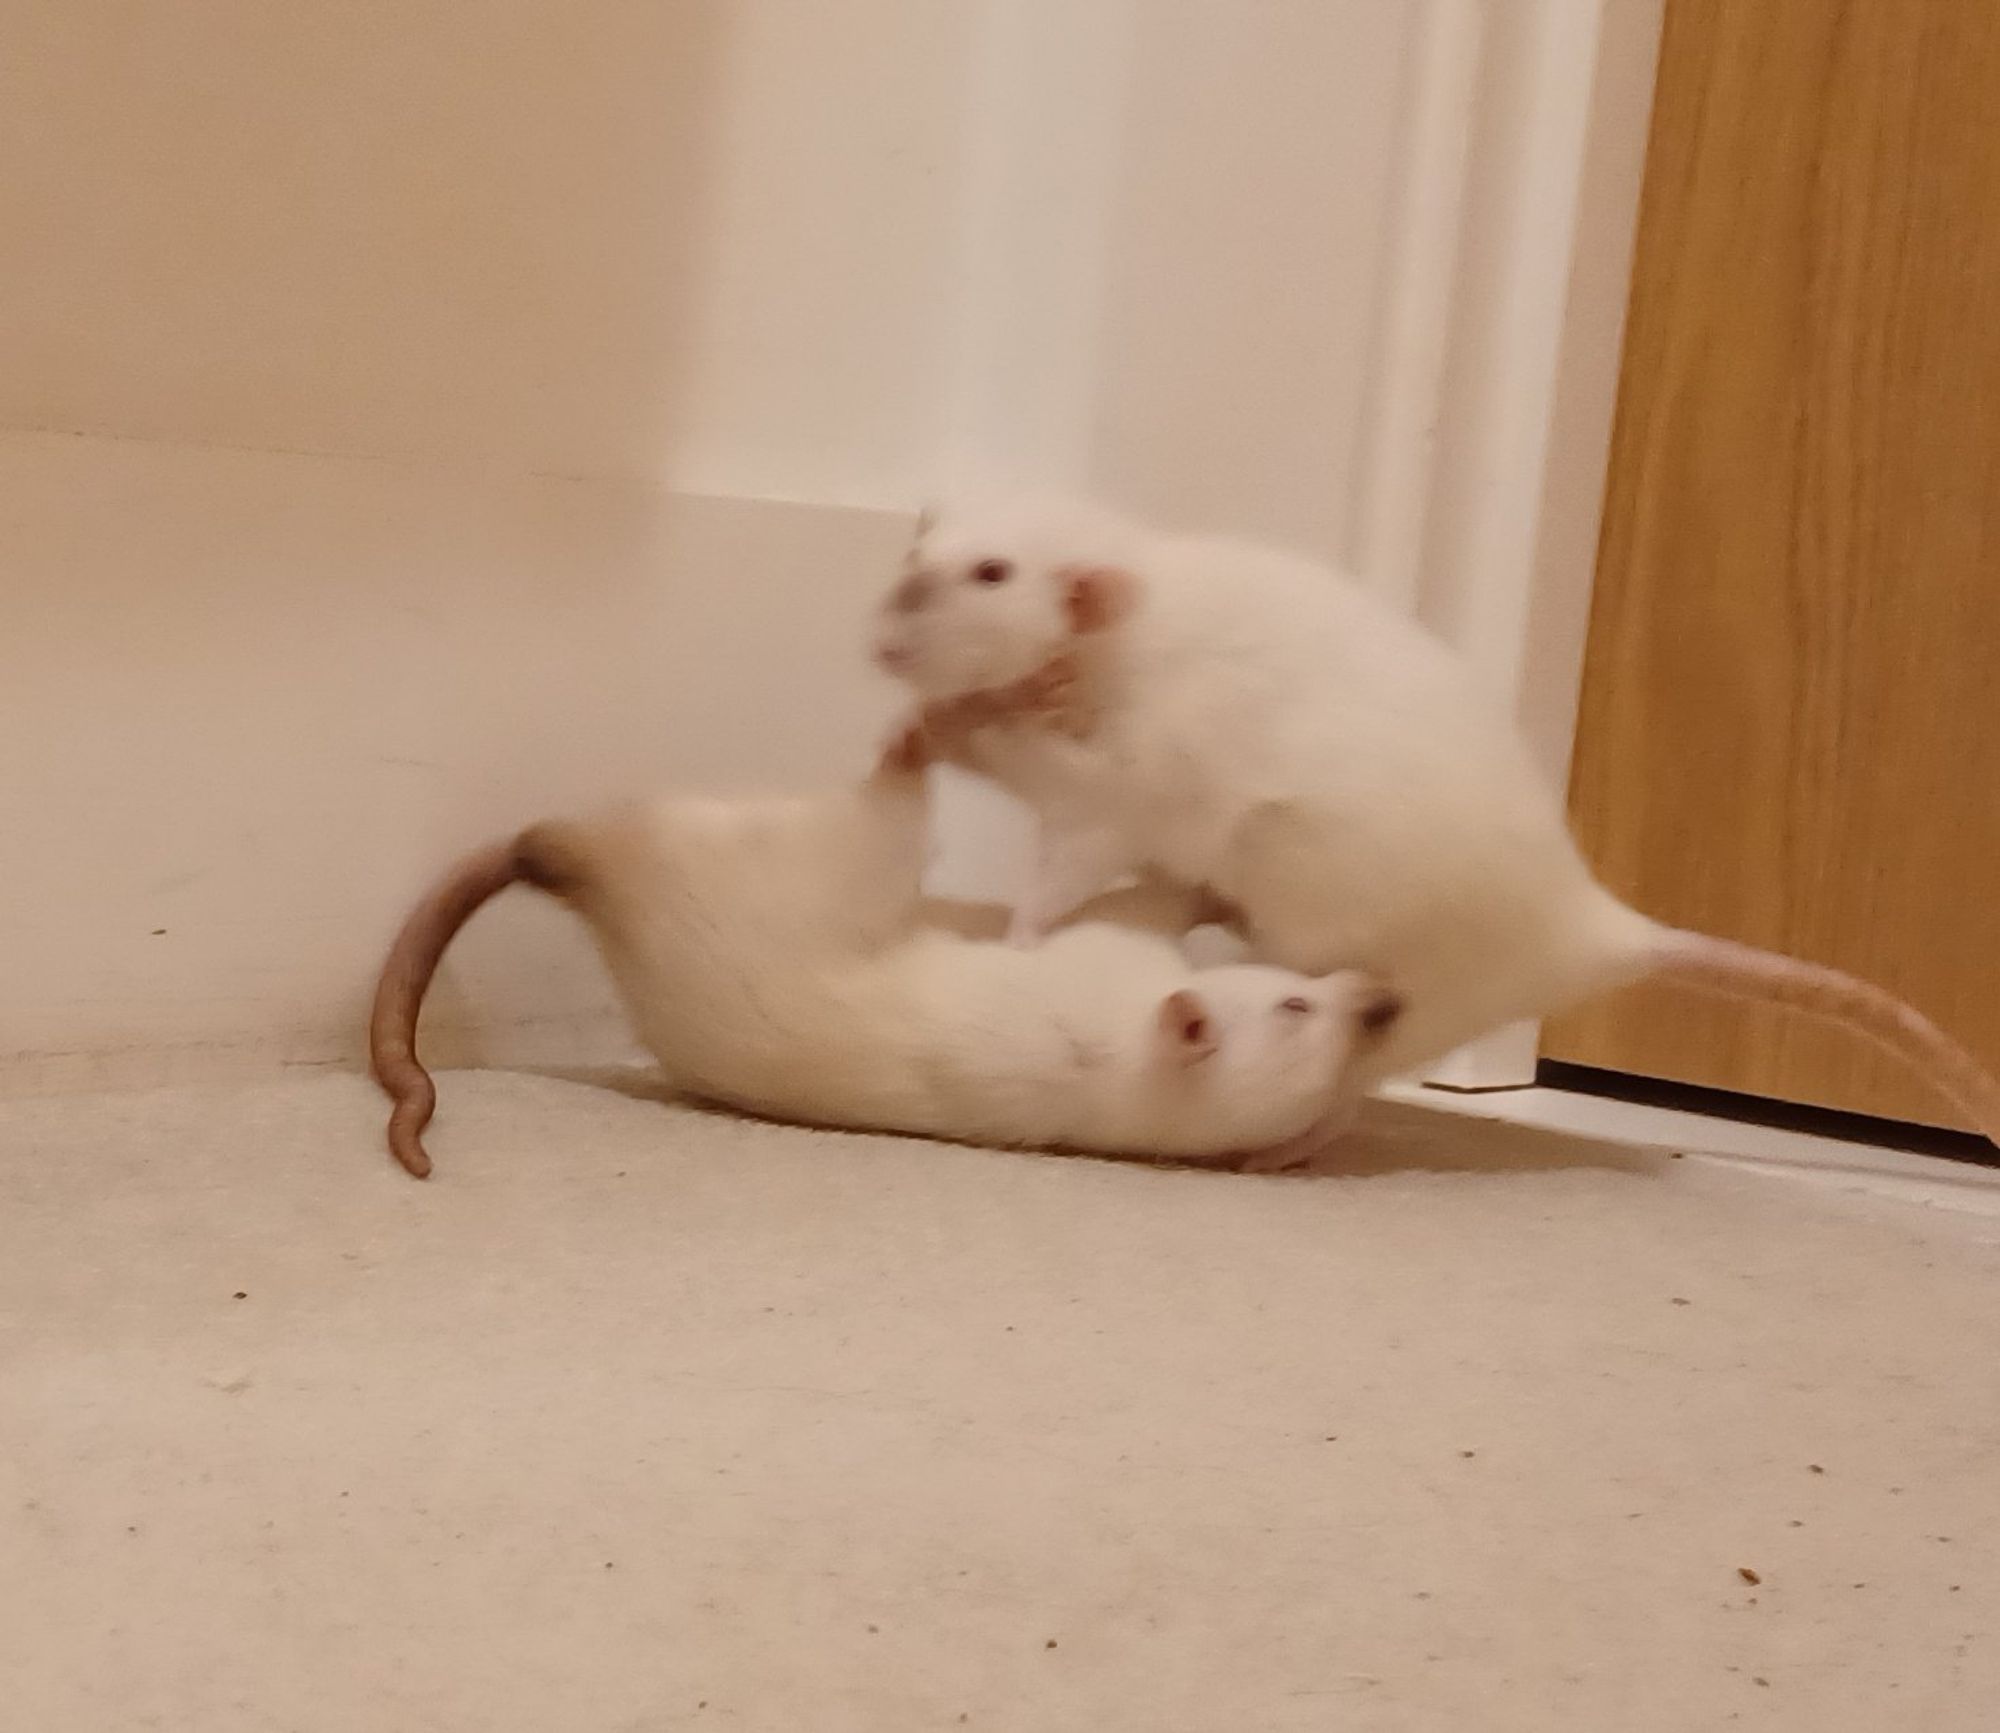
[{"x": 639, "y": 1419}]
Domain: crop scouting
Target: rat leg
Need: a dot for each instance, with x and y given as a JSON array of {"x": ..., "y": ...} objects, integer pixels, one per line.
[
  {"x": 1071, "y": 866},
  {"x": 963, "y": 734},
  {"x": 906, "y": 751},
  {"x": 978, "y": 730}
]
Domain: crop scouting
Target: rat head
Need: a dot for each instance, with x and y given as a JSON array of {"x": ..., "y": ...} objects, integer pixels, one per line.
[
  {"x": 1269, "y": 1050},
  {"x": 987, "y": 597}
]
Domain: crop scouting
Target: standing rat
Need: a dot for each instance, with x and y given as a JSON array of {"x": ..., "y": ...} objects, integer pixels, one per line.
[
  {"x": 776, "y": 955},
  {"x": 1251, "y": 721}
]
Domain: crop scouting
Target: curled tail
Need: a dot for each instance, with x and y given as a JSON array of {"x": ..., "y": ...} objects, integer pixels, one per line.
[
  {"x": 529, "y": 858},
  {"x": 1745, "y": 972}
]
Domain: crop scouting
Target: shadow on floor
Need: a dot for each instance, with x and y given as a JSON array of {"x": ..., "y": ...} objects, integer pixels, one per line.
[
  {"x": 1392, "y": 1136},
  {"x": 1400, "y": 1136}
]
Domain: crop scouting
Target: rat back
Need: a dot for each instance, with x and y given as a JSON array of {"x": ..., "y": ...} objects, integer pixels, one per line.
[{"x": 1331, "y": 768}]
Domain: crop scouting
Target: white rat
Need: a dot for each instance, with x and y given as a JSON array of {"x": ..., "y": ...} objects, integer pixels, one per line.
[
  {"x": 1250, "y": 721},
  {"x": 776, "y": 955}
]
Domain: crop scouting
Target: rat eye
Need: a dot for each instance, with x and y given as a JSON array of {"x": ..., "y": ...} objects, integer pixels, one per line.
[
  {"x": 992, "y": 572},
  {"x": 1298, "y": 1006}
]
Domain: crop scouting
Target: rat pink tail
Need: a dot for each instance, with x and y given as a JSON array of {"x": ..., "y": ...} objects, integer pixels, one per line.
[
  {"x": 539, "y": 856},
  {"x": 399, "y": 995},
  {"x": 1745, "y": 972}
]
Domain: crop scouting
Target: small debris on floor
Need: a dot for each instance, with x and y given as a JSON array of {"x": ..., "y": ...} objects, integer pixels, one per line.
[
  {"x": 1468, "y": 1454},
  {"x": 1050, "y": 1644},
  {"x": 1681, "y": 1300},
  {"x": 1747, "y": 1574},
  {"x": 240, "y": 1294},
  {"x": 1759, "y": 1679},
  {"x": 1814, "y": 1468}
]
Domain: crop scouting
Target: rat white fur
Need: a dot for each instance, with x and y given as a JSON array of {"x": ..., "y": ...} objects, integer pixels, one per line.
[
  {"x": 777, "y": 955},
  {"x": 773, "y": 956},
  {"x": 1254, "y": 722}
]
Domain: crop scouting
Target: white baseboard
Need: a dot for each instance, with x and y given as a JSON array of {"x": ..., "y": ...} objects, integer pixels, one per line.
[{"x": 267, "y": 697}]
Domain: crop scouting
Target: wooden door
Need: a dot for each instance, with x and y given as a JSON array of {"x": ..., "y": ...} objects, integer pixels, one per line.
[{"x": 1790, "y": 730}]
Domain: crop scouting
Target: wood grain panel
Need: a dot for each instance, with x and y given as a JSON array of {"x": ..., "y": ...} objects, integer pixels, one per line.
[{"x": 1790, "y": 730}]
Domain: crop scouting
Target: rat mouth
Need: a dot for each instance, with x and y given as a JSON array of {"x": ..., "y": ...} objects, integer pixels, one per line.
[{"x": 895, "y": 658}]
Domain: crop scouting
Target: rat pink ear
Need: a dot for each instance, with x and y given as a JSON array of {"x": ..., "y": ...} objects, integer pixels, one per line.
[
  {"x": 1187, "y": 1031},
  {"x": 1096, "y": 598}
]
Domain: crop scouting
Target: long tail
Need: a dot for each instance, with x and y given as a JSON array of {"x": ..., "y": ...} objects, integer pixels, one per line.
[
  {"x": 406, "y": 975},
  {"x": 1745, "y": 972}
]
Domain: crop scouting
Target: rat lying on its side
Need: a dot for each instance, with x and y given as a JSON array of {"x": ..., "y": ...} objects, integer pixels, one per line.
[
  {"x": 777, "y": 956},
  {"x": 1247, "y": 720}
]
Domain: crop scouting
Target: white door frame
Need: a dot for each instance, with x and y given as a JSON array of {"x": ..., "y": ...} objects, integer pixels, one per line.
[{"x": 1493, "y": 499}]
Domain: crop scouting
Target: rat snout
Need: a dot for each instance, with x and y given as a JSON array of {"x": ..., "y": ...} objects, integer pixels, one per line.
[
  {"x": 895, "y": 650},
  {"x": 893, "y": 654}
]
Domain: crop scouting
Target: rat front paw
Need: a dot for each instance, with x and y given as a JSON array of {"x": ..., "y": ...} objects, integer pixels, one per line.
[{"x": 908, "y": 751}]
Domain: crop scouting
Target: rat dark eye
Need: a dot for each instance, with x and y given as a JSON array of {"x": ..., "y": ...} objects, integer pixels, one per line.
[
  {"x": 992, "y": 572},
  {"x": 1297, "y": 1006}
]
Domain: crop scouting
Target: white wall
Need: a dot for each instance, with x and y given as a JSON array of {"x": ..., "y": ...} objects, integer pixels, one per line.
[
  {"x": 254, "y": 701},
  {"x": 1247, "y": 243},
  {"x": 385, "y": 411},
  {"x": 826, "y": 252},
  {"x": 390, "y": 412},
  {"x": 1179, "y": 253},
  {"x": 699, "y": 241}
]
